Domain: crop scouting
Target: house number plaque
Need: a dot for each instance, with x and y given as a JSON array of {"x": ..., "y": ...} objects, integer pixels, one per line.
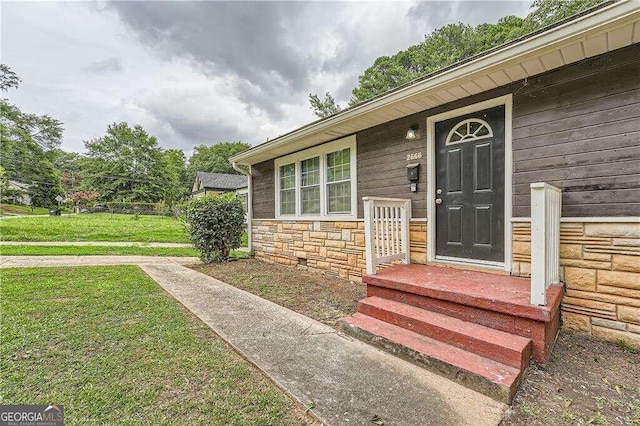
[{"x": 414, "y": 156}]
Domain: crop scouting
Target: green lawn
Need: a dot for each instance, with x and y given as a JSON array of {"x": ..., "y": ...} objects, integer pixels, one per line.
[
  {"x": 95, "y": 227},
  {"x": 17, "y": 209},
  {"x": 96, "y": 251},
  {"x": 112, "y": 347}
]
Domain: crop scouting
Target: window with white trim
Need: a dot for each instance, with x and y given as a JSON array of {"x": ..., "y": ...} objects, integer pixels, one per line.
[
  {"x": 318, "y": 182},
  {"x": 339, "y": 181},
  {"x": 288, "y": 189},
  {"x": 310, "y": 185}
]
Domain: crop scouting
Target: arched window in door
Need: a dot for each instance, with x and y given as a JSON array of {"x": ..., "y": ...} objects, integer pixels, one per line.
[{"x": 468, "y": 130}]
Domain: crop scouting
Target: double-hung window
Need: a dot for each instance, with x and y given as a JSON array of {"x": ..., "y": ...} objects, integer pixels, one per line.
[
  {"x": 288, "y": 189},
  {"x": 310, "y": 186},
  {"x": 318, "y": 182},
  {"x": 339, "y": 181}
]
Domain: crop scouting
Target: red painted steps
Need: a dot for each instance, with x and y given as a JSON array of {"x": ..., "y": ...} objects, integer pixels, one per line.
[
  {"x": 496, "y": 301},
  {"x": 474, "y": 371},
  {"x": 499, "y": 346},
  {"x": 473, "y": 327}
]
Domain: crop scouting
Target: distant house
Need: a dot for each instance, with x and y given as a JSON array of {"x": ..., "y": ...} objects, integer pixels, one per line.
[
  {"x": 19, "y": 193},
  {"x": 219, "y": 183}
]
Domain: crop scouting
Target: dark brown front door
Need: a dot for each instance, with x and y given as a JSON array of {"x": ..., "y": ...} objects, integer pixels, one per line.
[{"x": 470, "y": 186}]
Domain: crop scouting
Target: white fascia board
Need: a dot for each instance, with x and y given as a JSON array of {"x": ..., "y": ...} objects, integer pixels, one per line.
[{"x": 615, "y": 15}]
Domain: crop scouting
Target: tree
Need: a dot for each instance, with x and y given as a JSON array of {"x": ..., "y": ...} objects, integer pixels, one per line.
[
  {"x": 455, "y": 42},
  {"x": 546, "y": 12},
  {"x": 213, "y": 159},
  {"x": 69, "y": 166},
  {"x": 8, "y": 78},
  {"x": 176, "y": 171},
  {"x": 323, "y": 107},
  {"x": 26, "y": 139},
  {"x": 84, "y": 198},
  {"x": 125, "y": 165}
]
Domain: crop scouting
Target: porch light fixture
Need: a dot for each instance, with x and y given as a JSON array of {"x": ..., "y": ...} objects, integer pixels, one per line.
[{"x": 412, "y": 133}]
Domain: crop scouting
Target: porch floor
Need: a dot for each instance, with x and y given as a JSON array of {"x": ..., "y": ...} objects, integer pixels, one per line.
[{"x": 499, "y": 293}]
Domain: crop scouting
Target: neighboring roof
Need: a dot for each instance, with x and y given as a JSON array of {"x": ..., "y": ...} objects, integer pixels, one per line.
[
  {"x": 20, "y": 185},
  {"x": 221, "y": 180},
  {"x": 599, "y": 30}
]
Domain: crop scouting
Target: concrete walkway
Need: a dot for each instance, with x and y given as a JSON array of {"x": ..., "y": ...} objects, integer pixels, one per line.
[
  {"x": 44, "y": 261},
  {"x": 94, "y": 243},
  {"x": 346, "y": 381}
]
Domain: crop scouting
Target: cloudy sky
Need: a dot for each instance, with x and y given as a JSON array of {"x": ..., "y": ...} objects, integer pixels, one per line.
[{"x": 204, "y": 72}]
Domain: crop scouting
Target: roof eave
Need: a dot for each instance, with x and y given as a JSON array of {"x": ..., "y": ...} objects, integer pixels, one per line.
[{"x": 555, "y": 38}]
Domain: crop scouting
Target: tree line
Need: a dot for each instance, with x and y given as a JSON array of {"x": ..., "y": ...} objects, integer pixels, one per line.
[{"x": 126, "y": 165}]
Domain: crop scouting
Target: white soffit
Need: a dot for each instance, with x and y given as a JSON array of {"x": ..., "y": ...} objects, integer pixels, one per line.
[{"x": 610, "y": 28}]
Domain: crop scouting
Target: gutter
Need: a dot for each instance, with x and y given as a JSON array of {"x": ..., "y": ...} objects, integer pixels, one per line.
[{"x": 247, "y": 173}]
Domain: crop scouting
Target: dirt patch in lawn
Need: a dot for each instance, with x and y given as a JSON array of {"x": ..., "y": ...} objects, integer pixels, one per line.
[
  {"x": 586, "y": 381},
  {"x": 323, "y": 298}
]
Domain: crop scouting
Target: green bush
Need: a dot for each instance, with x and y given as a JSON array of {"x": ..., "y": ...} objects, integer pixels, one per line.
[{"x": 215, "y": 224}]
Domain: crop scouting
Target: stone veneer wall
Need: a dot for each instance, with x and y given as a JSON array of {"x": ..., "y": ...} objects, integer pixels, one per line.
[
  {"x": 600, "y": 265},
  {"x": 330, "y": 247}
]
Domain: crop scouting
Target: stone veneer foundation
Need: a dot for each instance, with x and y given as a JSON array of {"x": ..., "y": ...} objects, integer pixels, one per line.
[
  {"x": 600, "y": 266},
  {"x": 330, "y": 247}
]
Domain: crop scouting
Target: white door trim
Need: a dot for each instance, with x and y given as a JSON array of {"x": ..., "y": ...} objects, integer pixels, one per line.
[{"x": 507, "y": 101}]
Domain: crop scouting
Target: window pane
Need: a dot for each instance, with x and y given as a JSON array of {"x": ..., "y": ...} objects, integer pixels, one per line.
[
  {"x": 288, "y": 176},
  {"x": 310, "y": 199},
  {"x": 339, "y": 181},
  {"x": 288, "y": 201},
  {"x": 339, "y": 197},
  {"x": 339, "y": 165},
  {"x": 287, "y": 189},
  {"x": 310, "y": 172},
  {"x": 310, "y": 185}
]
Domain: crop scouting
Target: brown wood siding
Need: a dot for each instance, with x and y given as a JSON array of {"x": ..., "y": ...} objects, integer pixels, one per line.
[
  {"x": 263, "y": 192},
  {"x": 382, "y": 163},
  {"x": 382, "y": 156},
  {"x": 578, "y": 128}
]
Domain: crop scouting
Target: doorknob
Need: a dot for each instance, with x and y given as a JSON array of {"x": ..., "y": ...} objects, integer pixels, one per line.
[
  {"x": 438, "y": 200},
  {"x": 439, "y": 191}
]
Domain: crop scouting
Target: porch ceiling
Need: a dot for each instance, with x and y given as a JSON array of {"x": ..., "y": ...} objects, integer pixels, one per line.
[{"x": 606, "y": 29}]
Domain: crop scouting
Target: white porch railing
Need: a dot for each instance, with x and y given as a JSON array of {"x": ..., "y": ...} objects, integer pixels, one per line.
[
  {"x": 386, "y": 230},
  {"x": 546, "y": 209}
]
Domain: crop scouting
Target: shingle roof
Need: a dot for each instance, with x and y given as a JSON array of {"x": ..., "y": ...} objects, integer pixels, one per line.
[{"x": 221, "y": 180}]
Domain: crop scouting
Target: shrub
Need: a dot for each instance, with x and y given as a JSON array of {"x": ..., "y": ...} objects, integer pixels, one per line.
[{"x": 215, "y": 224}]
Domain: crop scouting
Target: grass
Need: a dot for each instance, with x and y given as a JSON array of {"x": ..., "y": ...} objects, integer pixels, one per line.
[
  {"x": 95, "y": 227},
  {"x": 18, "y": 209},
  {"x": 112, "y": 347},
  {"x": 96, "y": 251},
  {"x": 107, "y": 251}
]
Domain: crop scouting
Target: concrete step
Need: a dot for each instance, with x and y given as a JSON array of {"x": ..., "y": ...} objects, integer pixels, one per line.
[
  {"x": 496, "y": 345},
  {"x": 492, "y": 378}
]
